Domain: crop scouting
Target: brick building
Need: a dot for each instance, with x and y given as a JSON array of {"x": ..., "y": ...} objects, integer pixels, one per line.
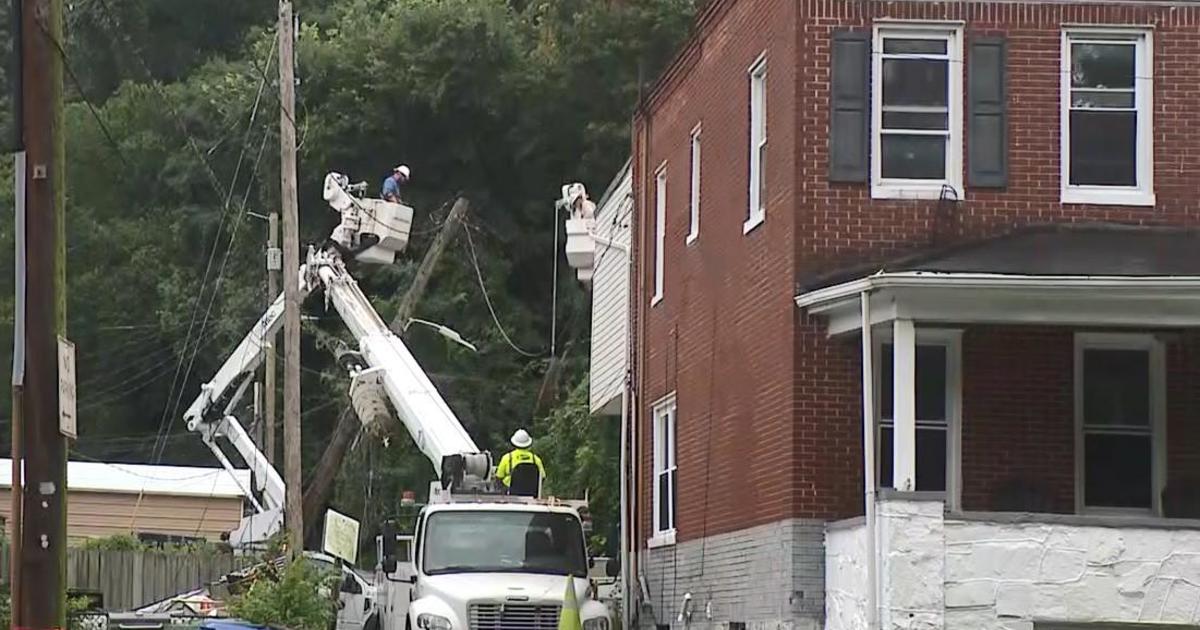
[{"x": 1005, "y": 193}]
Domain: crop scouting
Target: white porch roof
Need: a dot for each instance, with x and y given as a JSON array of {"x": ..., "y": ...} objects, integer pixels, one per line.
[{"x": 985, "y": 298}]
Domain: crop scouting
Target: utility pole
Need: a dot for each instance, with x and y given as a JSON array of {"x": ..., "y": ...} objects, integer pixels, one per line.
[
  {"x": 319, "y": 488},
  {"x": 416, "y": 291},
  {"x": 43, "y": 546},
  {"x": 293, "y": 512},
  {"x": 274, "y": 265}
]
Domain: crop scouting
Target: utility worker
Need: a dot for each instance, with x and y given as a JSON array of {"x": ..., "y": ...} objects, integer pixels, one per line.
[
  {"x": 391, "y": 185},
  {"x": 520, "y": 455}
]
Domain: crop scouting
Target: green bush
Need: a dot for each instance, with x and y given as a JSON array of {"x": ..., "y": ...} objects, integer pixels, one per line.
[
  {"x": 292, "y": 599},
  {"x": 76, "y": 606}
]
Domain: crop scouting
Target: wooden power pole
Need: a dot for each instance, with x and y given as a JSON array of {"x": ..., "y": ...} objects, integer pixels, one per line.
[
  {"x": 274, "y": 263},
  {"x": 316, "y": 495},
  {"x": 44, "y": 507},
  {"x": 408, "y": 304},
  {"x": 292, "y": 475}
]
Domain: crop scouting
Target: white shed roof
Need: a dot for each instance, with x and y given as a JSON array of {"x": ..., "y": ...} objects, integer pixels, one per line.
[{"x": 137, "y": 478}]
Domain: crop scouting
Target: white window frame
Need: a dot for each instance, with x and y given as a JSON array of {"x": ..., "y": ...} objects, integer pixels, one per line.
[
  {"x": 694, "y": 193},
  {"x": 918, "y": 188},
  {"x": 660, "y": 231},
  {"x": 1158, "y": 415},
  {"x": 756, "y": 212},
  {"x": 951, "y": 339},
  {"x": 664, "y": 418},
  {"x": 1143, "y": 193}
]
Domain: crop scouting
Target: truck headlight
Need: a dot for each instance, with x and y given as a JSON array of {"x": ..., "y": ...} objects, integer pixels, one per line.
[
  {"x": 599, "y": 623},
  {"x": 427, "y": 621}
]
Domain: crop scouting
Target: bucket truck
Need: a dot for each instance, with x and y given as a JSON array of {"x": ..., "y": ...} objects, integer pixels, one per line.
[{"x": 478, "y": 559}]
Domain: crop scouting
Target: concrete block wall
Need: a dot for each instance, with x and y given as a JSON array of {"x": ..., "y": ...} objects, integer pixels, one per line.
[
  {"x": 768, "y": 577},
  {"x": 1009, "y": 574},
  {"x": 985, "y": 571}
]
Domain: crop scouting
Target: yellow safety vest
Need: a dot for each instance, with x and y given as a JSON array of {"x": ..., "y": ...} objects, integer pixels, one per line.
[{"x": 514, "y": 458}]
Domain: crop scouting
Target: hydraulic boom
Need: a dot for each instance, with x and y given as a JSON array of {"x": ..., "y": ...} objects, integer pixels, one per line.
[{"x": 386, "y": 380}]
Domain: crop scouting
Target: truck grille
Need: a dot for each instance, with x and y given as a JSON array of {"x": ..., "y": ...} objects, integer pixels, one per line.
[{"x": 514, "y": 617}]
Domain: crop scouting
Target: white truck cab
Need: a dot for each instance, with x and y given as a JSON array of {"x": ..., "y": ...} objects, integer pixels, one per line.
[{"x": 487, "y": 565}]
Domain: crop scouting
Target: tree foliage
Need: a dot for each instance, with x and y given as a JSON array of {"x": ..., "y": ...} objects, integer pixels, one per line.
[
  {"x": 500, "y": 101},
  {"x": 297, "y": 598}
]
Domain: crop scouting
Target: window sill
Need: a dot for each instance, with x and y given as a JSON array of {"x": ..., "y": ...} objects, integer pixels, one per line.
[
  {"x": 930, "y": 191},
  {"x": 752, "y": 223},
  {"x": 661, "y": 539},
  {"x": 1098, "y": 195},
  {"x": 692, "y": 238}
]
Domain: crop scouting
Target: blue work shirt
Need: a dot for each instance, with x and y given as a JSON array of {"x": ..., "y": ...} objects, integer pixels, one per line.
[{"x": 390, "y": 187}]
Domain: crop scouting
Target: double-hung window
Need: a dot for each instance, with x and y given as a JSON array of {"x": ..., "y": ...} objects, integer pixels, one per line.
[
  {"x": 1107, "y": 94},
  {"x": 664, "y": 469},
  {"x": 917, "y": 101},
  {"x": 937, "y": 396},
  {"x": 694, "y": 194},
  {"x": 660, "y": 231},
  {"x": 1120, "y": 400},
  {"x": 758, "y": 145}
]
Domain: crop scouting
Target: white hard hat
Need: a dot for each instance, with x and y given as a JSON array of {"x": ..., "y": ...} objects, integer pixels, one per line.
[
  {"x": 521, "y": 439},
  {"x": 402, "y": 169}
]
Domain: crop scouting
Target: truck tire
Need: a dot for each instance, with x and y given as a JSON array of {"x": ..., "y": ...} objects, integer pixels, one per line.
[{"x": 372, "y": 622}]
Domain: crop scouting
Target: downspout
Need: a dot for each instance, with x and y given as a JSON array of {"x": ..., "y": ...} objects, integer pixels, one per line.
[
  {"x": 626, "y": 601},
  {"x": 868, "y": 403}
]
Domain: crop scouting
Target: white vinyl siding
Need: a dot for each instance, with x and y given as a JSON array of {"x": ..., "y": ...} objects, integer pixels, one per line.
[{"x": 610, "y": 297}]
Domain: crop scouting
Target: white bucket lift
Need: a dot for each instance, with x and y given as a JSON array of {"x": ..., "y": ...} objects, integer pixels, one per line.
[
  {"x": 581, "y": 220},
  {"x": 365, "y": 220}
]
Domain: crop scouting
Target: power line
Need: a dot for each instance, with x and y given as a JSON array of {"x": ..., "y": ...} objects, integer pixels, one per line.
[
  {"x": 488, "y": 300},
  {"x": 164, "y": 427},
  {"x": 104, "y": 130}
]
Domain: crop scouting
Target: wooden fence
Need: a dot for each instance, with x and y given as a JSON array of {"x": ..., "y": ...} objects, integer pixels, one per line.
[{"x": 132, "y": 579}]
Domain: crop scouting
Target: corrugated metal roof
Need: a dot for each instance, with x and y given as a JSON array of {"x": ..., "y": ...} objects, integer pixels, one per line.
[{"x": 135, "y": 478}]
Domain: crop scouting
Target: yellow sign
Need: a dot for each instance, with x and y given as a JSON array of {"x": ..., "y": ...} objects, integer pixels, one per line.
[{"x": 341, "y": 536}]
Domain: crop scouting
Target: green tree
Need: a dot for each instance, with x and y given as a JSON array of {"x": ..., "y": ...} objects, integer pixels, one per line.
[{"x": 293, "y": 599}]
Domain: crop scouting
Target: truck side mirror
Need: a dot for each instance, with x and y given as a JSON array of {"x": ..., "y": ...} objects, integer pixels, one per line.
[
  {"x": 613, "y": 567},
  {"x": 388, "y": 534},
  {"x": 388, "y": 531}
]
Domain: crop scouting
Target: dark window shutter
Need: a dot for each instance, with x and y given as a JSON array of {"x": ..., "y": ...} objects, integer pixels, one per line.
[
  {"x": 849, "y": 116},
  {"x": 987, "y": 114}
]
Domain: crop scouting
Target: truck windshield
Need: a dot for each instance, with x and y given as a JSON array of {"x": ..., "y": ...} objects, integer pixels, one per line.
[{"x": 520, "y": 542}]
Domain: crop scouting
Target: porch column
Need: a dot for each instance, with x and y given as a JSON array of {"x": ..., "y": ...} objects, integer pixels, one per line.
[{"x": 904, "y": 405}]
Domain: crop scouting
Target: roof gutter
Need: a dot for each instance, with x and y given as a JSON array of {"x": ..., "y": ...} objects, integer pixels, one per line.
[{"x": 927, "y": 279}]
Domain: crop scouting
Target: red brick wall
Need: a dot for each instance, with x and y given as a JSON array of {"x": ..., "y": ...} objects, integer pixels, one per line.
[
  {"x": 1018, "y": 413},
  {"x": 769, "y": 415},
  {"x": 840, "y": 222},
  {"x": 721, "y": 337}
]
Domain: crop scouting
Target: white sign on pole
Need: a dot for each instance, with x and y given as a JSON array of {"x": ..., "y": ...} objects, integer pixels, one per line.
[
  {"x": 341, "y": 536},
  {"x": 66, "y": 388}
]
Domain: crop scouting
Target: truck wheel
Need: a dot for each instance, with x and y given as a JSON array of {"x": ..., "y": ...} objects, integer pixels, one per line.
[{"x": 372, "y": 622}]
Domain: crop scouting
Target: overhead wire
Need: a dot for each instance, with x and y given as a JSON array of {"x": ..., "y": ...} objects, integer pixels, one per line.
[
  {"x": 164, "y": 427},
  {"x": 488, "y": 299},
  {"x": 213, "y": 181}
]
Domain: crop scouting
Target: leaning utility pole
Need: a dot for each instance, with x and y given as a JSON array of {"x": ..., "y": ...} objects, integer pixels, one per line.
[
  {"x": 416, "y": 291},
  {"x": 274, "y": 264},
  {"x": 43, "y": 544},
  {"x": 320, "y": 485},
  {"x": 293, "y": 512}
]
